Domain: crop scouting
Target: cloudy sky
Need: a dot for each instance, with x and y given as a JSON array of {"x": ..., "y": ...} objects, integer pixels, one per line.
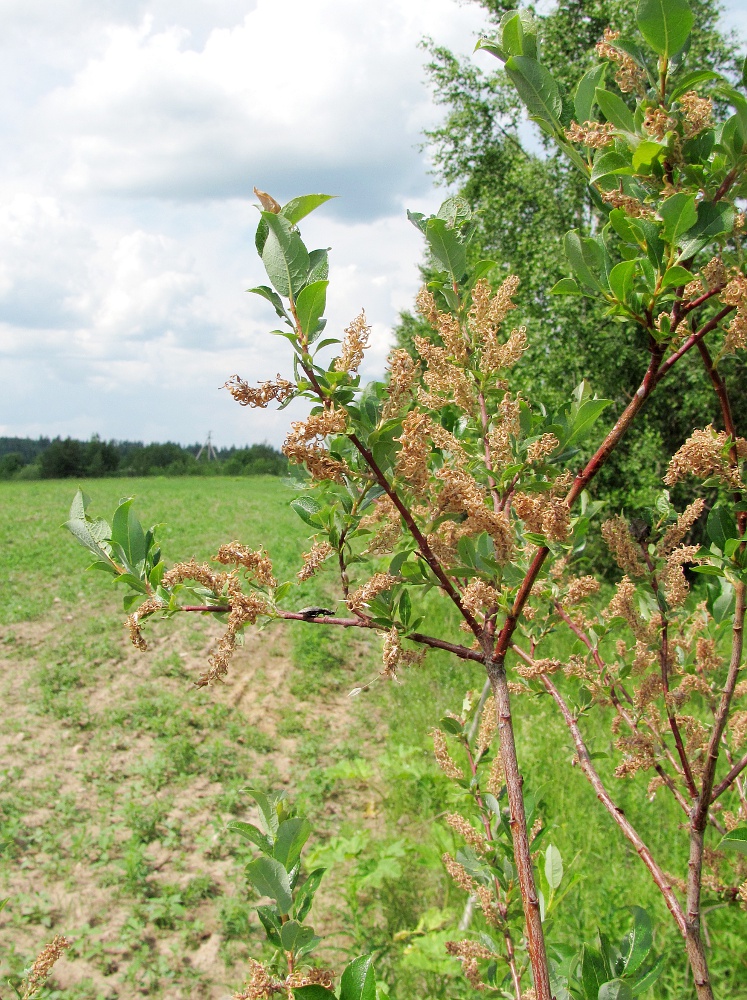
[{"x": 133, "y": 132}]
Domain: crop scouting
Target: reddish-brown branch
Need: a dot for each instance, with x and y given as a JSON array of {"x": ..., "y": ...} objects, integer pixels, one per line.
[
  {"x": 425, "y": 549},
  {"x": 601, "y": 665},
  {"x": 730, "y": 778},
  {"x": 700, "y": 813},
  {"x": 617, "y": 814},
  {"x": 726, "y": 183},
  {"x": 722, "y": 713},
  {"x": 719, "y": 387},
  {"x": 582, "y": 480},
  {"x": 693, "y": 304},
  {"x": 692, "y": 340},
  {"x": 664, "y": 670},
  {"x": 518, "y": 823},
  {"x": 463, "y": 652},
  {"x": 217, "y": 609}
]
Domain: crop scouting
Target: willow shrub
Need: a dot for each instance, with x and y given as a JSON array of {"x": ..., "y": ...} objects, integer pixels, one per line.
[{"x": 442, "y": 480}]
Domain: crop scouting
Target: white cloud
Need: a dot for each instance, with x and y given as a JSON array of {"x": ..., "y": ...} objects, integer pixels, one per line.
[
  {"x": 329, "y": 92},
  {"x": 134, "y": 130}
]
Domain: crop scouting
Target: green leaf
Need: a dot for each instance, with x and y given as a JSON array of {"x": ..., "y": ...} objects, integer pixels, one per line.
[
  {"x": 130, "y": 580},
  {"x": 405, "y": 608},
  {"x": 359, "y": 980},
  {"x": 295, "y": 936},
  {"x": 593, "y": 971},
  {"x": 305, "y": 895},
  {"x": 735, "y": 840},
  {"x": 610, "y": 163},
  {"x": 310, "y": 306},
  {"x": 79, "y": 506},
  {"x": 688, "y": 82},
  {"x": 481, "y": 268},
  {"x": 721, "y": 526},
  {"x": 676, "y": 276},
  {"x": 566, "y": 286},
  {"x": 648, "y": 977},
  {"x": 269, "y": 878},
  {"x": 270, "y": 920},
  {"x": 307, "y": 507},
  {"x": 645, "y": 153},
  {"x": 289, "y": 840},
  {"x": 665, "y": 24},
  {"x": 284, "y": 256},
  {"x": 446, "y": 247},
  {"x": 250, "y": 832},
  {"x": 537, "y": 88},
  {"x": 574, "y": 251},
  {"x": 318, "y": 265},
  {"x": 272, "y": 296},
  {"x": 621, "y": 279},
  {"x": 298, "y": 208},
  {"x": 615, "y": 110},
  {"x": 625, "y": 228},
  {"x": 553, "y": 866},
  {"x": 615, "y": 989},
  {"x": 313, "y": 992},
  {"x": 640, "y": 938},
  {"x": 267, "y": 810},
  {"x": 127, "y": 532},
  {"x": 740, "y": 106},
  {"x": 714, "y": 219},
  {"x": 512, "y": 36},
  {"x": 679, "y": 214},
  {"x": 588, "y": 414},
  {"x": 585, "y": 97}
]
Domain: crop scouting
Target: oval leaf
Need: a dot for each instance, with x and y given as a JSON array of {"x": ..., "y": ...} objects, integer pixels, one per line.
[
  {"x": 735, "y": 840},
  {"x": 615, "y": 110},
  {"x": 641, "y": 939},
  {"x": 298, "y": 208},
  {"x": 553, "y": 867},
  {"x": 284, "y": 256},
  {"x": 269, "y": 878},
  {"x": 307, "y": 507},
  {"x": 676, "y": 276},
  {"x": 310, "y": 306},
  {"x": 679, "y": 214},
  {"x": 536, "y": 87},
  {"x": 585, "y": 96},
  {"x": 610, "y": 163},
  {"x": 566, "y": 286},
  {"x": 615, "y": 989},
  {"x": 621, "y": 279},
  {"x": 446, "y": 247},
  {"x": 359, "y": 980},
  {"x": 665, "y": 24},
  {"x": 291, "y": 836}
]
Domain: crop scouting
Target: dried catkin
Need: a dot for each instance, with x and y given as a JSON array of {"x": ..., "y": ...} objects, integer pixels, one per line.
[
  {"x": 354, "y": 345},
  {"x": 443, "y": 758},
  {"x": 313, "y": 559},
  {"x": 41, "y": 968}
]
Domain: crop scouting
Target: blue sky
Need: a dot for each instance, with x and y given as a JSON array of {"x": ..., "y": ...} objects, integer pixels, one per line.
[{"x": 133, "y": 132}]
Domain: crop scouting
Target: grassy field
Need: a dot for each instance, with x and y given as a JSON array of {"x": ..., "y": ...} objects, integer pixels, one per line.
[{"x": 118, "y": 777}]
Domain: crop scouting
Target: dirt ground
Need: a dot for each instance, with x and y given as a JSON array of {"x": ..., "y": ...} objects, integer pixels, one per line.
[{"x": 113, "y": 831}]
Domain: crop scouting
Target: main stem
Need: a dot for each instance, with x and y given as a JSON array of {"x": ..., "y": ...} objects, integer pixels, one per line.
[{"x": 518, "y": 822}]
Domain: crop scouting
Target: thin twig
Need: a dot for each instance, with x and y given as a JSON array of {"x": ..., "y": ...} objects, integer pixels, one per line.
[{"x": 585, "y": 762}]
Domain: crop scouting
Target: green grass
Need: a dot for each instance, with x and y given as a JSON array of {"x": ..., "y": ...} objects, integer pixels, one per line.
[{"x": 118, "y": 777}]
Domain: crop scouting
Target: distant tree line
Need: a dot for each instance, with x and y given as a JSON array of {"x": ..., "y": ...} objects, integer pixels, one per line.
[{"x": 58, "y": 458}]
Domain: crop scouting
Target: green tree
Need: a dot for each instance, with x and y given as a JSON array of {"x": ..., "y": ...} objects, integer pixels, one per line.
[{"x": 526, "y": 196}]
